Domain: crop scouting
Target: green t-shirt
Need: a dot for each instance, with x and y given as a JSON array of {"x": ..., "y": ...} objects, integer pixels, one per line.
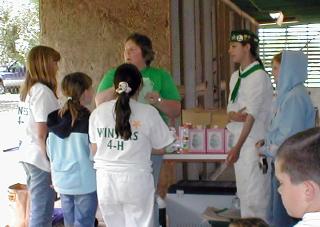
[{"x": 161, "y": 79}]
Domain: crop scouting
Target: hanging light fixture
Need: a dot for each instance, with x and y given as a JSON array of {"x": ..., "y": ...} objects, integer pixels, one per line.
[{"x": 277, "y": 16}]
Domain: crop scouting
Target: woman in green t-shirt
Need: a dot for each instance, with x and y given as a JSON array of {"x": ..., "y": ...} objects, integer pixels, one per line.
[
  {"x": 162, "y": 92},
  {"x": 159, "y": 89}
]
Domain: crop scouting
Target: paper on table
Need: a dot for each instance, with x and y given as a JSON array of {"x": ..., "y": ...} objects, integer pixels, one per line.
[
  {"x": 147, "y": 87},
  {"x": 215, "y": 214}
]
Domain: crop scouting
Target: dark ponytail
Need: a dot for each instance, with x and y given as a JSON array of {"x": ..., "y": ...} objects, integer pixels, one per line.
[
  {"x": 73, "y": 86},
  {"x": 254, "y": 53},
  {"x": 127, "y": 82}
]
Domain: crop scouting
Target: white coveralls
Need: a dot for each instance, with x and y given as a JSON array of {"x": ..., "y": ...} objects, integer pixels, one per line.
[
  {"x": 255, "y": 94},
  {"x": 125, "y": 183}
]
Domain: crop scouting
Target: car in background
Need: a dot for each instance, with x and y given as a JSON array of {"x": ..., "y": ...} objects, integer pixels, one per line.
[
  {"x": 11, "y": 78},
  {"x": 2, "y": 89}
]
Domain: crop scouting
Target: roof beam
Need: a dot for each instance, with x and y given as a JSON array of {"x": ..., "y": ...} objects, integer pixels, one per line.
[{"x": 240, "y": 12}]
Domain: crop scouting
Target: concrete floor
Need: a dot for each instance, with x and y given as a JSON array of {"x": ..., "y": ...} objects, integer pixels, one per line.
[{"x": 11, "y": 171}]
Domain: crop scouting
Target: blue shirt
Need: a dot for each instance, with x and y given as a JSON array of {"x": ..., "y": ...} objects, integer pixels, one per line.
[{"x": 69, "y": 153}]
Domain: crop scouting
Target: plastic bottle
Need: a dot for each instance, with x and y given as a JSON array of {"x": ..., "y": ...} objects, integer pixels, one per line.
[{"x": 185, "y": 138}]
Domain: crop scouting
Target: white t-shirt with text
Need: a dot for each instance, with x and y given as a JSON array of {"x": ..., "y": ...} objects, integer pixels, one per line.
[
  {"x": 148, "y": 131},
  {"x": 39, "y": 102}
]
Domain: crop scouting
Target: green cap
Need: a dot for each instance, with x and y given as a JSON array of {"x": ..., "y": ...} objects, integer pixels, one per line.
[{"x": 244, "y": 36}]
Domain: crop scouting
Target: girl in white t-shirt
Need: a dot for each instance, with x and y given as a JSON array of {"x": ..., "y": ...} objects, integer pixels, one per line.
[
  {"x": 37, "y": 99},
  {"x": 123, "y": 133}
]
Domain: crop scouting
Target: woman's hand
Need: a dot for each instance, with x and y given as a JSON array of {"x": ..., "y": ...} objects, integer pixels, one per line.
[
  {"x": 153, "y": 97},
  {"x": 171, "y": 108}
]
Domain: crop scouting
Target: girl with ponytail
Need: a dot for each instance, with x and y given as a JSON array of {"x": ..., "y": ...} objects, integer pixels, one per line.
[
  {"x": 124, "y": 133},
  {"x": 68, "y": 149}
]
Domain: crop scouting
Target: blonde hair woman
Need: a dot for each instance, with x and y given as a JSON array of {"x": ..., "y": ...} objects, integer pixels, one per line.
[{"x": 37, "y": 99}]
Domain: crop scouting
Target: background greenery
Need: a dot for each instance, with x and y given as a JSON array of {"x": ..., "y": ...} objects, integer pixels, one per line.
[{"x": 19, "y": 29}]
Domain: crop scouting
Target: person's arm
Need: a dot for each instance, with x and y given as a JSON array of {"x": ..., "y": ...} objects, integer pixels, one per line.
[
  {"x": 105, "y": 90},
  {"x": 257, "y": 91},
  {"x": 105, "y": 96},
  {"x": 234, "y": 153},
  {"x": 42, "y": 133},
  {"x": 92, "y": 133},
  {"x": 158, "y": 151},
  {"x": 171, "y": 108},
  {"x": 238, "y": 116},
  {"x": 160, "y": 135},
  {"x": 170, "y": 103},
  {"x": 93, "y": 147}
]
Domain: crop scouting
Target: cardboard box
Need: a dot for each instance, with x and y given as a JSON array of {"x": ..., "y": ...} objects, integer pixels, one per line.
[
  {"x": 219, "y": 118},
  {"x": 196, "y": 117},
  {"x": 207, "y": 118}
]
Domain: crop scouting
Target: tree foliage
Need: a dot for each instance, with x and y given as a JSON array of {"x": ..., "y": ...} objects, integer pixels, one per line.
[{"x": 19, "y": 29}]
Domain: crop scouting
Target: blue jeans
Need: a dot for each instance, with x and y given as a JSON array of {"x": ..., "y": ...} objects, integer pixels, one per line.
[
  {"x": 79, "y": 210},
  {"x": 279, "y": 215},
  {"x": 156, "y": 165},
  {"x": 42, "y": 196}
]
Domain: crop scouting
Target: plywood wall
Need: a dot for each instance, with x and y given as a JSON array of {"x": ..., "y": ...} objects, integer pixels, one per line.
[{"x": 90, "y": 33}]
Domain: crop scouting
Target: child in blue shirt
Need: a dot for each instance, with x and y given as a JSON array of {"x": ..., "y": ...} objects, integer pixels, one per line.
[{"x": 72, "y": 170}]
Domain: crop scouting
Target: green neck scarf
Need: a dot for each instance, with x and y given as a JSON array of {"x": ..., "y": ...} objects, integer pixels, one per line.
[{"x": 235, "y": 91}]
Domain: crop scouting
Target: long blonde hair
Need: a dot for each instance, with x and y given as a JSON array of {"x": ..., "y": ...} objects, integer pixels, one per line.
[{"x": 40, "y": 68}]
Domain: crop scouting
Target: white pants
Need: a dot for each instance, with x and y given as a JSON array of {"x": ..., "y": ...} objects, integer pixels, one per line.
[
  {"x": 126, "y": 199},
  {"x": 253, "y": 187}
]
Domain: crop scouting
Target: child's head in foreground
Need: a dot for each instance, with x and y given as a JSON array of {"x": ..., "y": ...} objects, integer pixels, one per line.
[
  {"x": 298, "y": 171},
  {"x": 248, "y": 222}
]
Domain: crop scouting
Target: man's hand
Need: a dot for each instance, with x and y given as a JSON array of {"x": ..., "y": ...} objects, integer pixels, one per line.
[
  {"x": 260, "y": 143},
  {"x": 233, "y": 155},
  {"x": 239, "y": 116}
]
